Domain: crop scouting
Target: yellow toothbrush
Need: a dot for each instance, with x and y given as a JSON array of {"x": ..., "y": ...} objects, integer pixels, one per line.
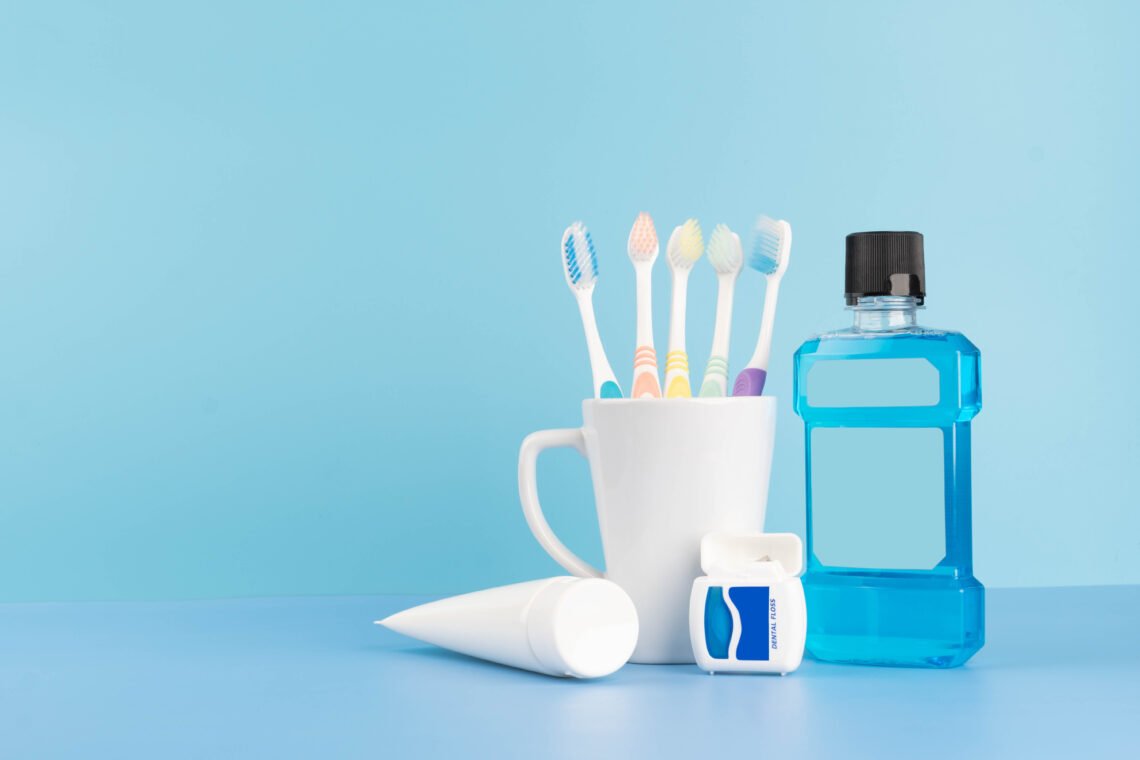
[{"x": 685, "y": 246}]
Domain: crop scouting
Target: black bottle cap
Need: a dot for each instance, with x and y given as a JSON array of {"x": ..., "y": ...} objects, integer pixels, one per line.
[{"x": 885, "y": 264}]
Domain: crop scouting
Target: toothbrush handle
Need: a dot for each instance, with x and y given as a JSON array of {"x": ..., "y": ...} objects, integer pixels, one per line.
[
  {"x": 750, "y": 382},
  {"x": 716, "y": 377},
  {"x": 605, "y": 384},
  {"x": 676, "y": 360},
  {"x": 767, "y": 322},
  {"x": 716, "y": 371},
  {"x": 645, "y": 383},
  {"x": 677, "y": 375}
]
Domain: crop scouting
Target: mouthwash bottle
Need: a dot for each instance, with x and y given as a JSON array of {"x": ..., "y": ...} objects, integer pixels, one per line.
[{"x": 886, "y": 406}]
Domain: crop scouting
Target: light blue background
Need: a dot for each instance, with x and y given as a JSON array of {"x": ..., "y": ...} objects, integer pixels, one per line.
[{"x": 280, "y": 292}]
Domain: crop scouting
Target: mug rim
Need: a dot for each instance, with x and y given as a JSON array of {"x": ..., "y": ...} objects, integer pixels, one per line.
[{"x": 705, "y": 401}]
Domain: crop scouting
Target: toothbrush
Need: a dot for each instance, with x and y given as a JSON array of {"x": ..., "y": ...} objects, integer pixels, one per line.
[
  {"x": 685, "y": 247},
  {"x": 727, "y": 258},
  {"x": 770, "y": 250},
  {"x": 580, "y": 262},
  {"x": 643, "y": 250}
]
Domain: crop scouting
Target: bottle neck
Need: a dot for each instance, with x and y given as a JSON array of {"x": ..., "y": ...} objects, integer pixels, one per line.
[{"x": 885, "y": 312}]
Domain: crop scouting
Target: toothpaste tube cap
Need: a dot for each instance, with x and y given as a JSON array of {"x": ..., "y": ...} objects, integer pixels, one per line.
[{"x": 582, "y": 627}]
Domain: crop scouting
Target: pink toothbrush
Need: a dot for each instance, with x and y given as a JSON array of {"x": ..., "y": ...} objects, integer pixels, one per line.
[{"x": 643, "y": 250}]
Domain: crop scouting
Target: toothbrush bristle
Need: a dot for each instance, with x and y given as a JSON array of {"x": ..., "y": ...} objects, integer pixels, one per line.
[
  {"x": 686, "y": 245},
  {"x": 643, "y": 238},
  {"x": 724, "y": 250},
  {"x": 578, "y": 256},
  {"x": 766, "y": 245}
]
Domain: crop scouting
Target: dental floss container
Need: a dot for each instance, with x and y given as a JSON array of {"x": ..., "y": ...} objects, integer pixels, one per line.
[
  {"x": 562, "y": 626},
  {"x": 747, "y": 613}
]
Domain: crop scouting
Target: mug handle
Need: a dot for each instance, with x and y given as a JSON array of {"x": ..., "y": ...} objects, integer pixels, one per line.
[{"x": 532, "y": 446}]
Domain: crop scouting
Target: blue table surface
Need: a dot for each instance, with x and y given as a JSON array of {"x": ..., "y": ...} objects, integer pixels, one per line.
[{"x": 313, "y": 677}]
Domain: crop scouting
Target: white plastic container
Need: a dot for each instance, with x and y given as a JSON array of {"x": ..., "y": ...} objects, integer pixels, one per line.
[
  {"x": 563, "y": 626},
  {"x": 747, "y": 614}
]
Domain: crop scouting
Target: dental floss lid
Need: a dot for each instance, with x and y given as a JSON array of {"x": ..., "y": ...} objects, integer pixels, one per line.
[
  {"x": 583, "y": 627},
  {"x": 772, "y": 556}
]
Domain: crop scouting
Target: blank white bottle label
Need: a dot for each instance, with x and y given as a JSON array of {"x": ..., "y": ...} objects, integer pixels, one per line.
[
  {"x": 878, "y": 497},
  {"x": 872, "y": 382}
]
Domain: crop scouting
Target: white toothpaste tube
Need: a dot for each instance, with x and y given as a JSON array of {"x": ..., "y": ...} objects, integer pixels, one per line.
[{"x": 563, "y": 626}]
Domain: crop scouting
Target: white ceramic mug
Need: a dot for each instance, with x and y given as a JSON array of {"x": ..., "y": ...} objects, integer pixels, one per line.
[{"x": 665, "y": 472}]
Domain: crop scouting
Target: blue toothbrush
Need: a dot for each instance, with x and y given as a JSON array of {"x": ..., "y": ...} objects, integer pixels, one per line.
[{"x": 580, "y": 262}]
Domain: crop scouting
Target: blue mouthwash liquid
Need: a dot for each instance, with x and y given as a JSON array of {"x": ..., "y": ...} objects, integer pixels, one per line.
[{"x": 886, "y": 406}]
